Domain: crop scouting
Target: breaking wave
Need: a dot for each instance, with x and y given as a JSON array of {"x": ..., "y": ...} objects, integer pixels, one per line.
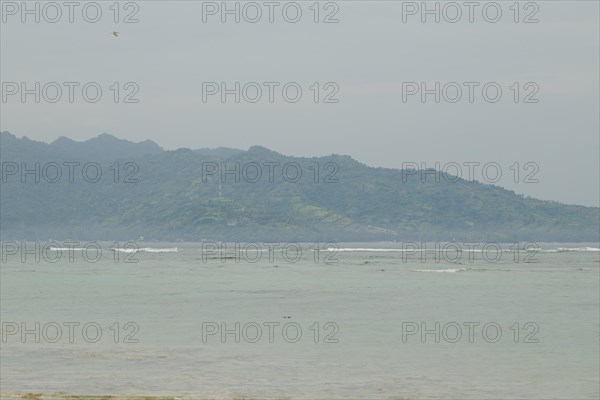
[{"x": 147, "y": 250}]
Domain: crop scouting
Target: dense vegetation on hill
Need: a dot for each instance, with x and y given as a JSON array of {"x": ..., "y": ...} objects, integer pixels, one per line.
[{"x": 182, "y": 195}]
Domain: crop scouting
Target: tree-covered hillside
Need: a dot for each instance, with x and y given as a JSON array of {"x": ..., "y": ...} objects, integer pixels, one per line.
[{"x": 172, "y": 195}]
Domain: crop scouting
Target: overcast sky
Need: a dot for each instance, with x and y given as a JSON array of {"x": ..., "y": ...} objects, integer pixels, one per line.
[{"x": 371, "y": 55}]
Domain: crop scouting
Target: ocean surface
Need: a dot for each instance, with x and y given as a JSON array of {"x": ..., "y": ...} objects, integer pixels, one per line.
[{"x": 353, "y": 320}]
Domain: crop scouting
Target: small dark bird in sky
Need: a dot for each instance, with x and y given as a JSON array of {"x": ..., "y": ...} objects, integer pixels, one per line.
[{"x": 115, "y": 34}]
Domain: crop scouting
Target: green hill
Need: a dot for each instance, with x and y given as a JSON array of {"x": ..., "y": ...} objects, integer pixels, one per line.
[{"x": 172, "y": 195}]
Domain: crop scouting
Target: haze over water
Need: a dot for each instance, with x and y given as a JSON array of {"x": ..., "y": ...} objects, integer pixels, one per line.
[{"x": 363, "y": 304}]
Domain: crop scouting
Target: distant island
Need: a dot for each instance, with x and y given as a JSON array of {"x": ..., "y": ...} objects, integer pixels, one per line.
[{"x": 112, "y": 189}]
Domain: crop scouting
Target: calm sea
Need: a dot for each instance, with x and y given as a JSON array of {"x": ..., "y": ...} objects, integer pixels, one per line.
[{"x": 368, "y": 321}]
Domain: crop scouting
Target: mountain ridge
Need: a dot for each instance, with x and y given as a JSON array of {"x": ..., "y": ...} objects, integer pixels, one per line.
[{"x": 184, "y": 194}]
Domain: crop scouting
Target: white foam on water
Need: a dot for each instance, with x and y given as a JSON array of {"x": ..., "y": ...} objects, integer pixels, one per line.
[
  {"x": 361, "y": 249},
  {"x": 569, "y": 249},
  {"x": 147, "y": 250},
  {"x": 418, "y": 250},
  {"x": 166, "y": 250},
  {"x": 563, "y": 249}
]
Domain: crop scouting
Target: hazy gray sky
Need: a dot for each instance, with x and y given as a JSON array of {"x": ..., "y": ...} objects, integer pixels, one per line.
[{"x": 368, "y": 54}]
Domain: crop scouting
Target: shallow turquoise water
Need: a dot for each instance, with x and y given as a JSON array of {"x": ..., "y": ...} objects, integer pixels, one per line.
[{"x": 361, "y": 304}]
